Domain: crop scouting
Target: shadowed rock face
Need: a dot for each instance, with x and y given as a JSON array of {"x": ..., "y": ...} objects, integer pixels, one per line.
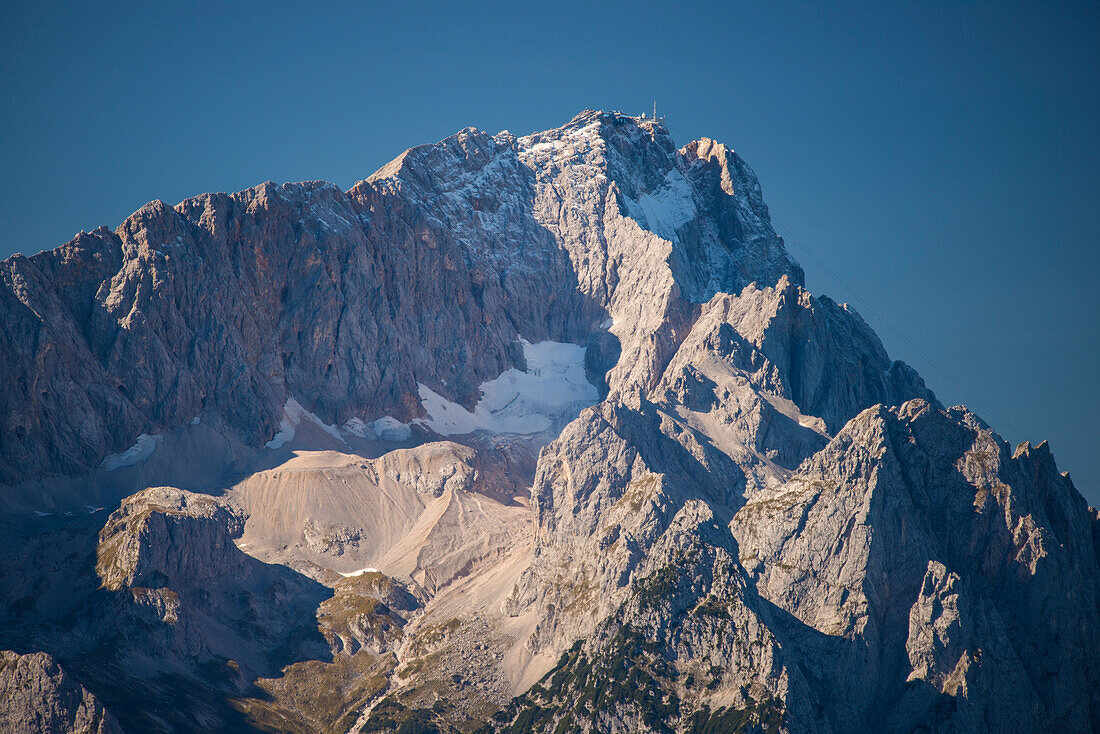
[
  {"x": 38, "y": 696},
  {"x": 762, "y": 524}
]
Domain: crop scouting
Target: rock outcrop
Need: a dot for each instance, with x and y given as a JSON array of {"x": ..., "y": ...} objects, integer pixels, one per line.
[
  {"x": 38, "y": 697},
  {"x": 536, "y": 433}
]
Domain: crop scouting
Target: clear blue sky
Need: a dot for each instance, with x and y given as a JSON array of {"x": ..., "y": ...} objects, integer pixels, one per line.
[{"x": 942, "y": 159}]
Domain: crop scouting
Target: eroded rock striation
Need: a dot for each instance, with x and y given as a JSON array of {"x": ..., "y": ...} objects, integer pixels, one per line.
[{"x": 537, "y": 433}]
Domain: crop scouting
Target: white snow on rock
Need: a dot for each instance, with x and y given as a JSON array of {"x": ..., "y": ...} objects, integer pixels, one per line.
[
  {"x": 552, "y": 390},
  {"x": 360, "y": 572},
  {"x": 667, "y": 209},
  {"x": 293, "y": 414},
  {"x": 388, "y": 428},
  {"x": 356, "y": 427},
  {"x": 287, "y": 426},
  {"x": 139, "y": 452},
  {"x": 540, "y": 148}
]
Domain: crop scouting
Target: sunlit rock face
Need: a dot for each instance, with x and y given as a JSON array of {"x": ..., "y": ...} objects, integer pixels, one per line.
[
  {"x": 536, "y": 433},
  {"x": 426, "y": 273}
]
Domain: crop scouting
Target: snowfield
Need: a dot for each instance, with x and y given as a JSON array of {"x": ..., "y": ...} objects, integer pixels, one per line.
[
  {"x": 667, "y": 209},
  {"x": 293, "y": 414},
  {"x": 139, "y": 452},
  {"x": 553, "y": 390}
]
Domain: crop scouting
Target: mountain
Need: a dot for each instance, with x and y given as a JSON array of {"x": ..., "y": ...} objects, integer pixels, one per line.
[{"x": 535, "y": 433}]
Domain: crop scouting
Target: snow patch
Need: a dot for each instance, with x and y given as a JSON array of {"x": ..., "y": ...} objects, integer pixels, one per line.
[
  {"x": 590, "y": 130},
  {"x": 293, "y": 415},
  {"x": 388, "y": 428},
  {"x": 789, "y": 409},
  {"x": 667, "y": 209},
  {"x": 545, "y": 147},
  {"x": 356, "y": 427},
  {"x": 360, "y": 572},
  {"x": 554, "y": 388},
  {"x": 139, "y": 452}
]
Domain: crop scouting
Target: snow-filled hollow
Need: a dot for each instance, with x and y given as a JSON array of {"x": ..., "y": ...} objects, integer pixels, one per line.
[
  {"x": 552, "y": 391},
  {"x": 666, "y": 209},
  {"x": 142, "y": 449},
  {"x": 360, "y": 572},
  {"x": 385, "y": 428},
  {"x": 293, "y": 415}
]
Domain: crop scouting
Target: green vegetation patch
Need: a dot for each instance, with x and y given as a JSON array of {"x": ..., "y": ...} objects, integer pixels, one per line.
[
  {"x": 629, "y": 678},
  {"x": 315, "y": 696},
  {"x": 765, "y": 716}
]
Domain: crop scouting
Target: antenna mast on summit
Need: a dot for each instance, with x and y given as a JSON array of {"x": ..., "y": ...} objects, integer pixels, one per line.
[{"x": 654, "y": 109}]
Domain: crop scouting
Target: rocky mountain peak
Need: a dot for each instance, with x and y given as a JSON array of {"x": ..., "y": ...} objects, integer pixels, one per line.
[
  {"x": 544, "y": 425},
  {"x": 604, "y": 214}
]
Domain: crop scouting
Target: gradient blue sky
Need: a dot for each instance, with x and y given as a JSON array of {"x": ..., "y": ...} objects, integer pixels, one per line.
[{"x": 942, "y": 159}]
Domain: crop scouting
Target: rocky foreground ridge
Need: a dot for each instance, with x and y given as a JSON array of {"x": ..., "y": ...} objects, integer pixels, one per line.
[{"x": 535, "y": 433}]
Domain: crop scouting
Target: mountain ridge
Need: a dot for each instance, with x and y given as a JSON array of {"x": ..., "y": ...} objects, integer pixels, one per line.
[
  {"x": 142, "y": 250},
  {"x": 537, "y": 433}
]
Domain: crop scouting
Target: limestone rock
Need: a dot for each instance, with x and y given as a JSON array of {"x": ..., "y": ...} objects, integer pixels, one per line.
[
  {"x": 38, "y": 697},
  {"x": 739, "y": 514},
  {"x": 231, "y": 304}
]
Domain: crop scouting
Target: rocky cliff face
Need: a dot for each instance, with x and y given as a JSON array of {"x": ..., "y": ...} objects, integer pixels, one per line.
[
  {"x": 425, "y": 272},
  {"x": 39, "y": 696},
  {"x": 535, "y": 433}
]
